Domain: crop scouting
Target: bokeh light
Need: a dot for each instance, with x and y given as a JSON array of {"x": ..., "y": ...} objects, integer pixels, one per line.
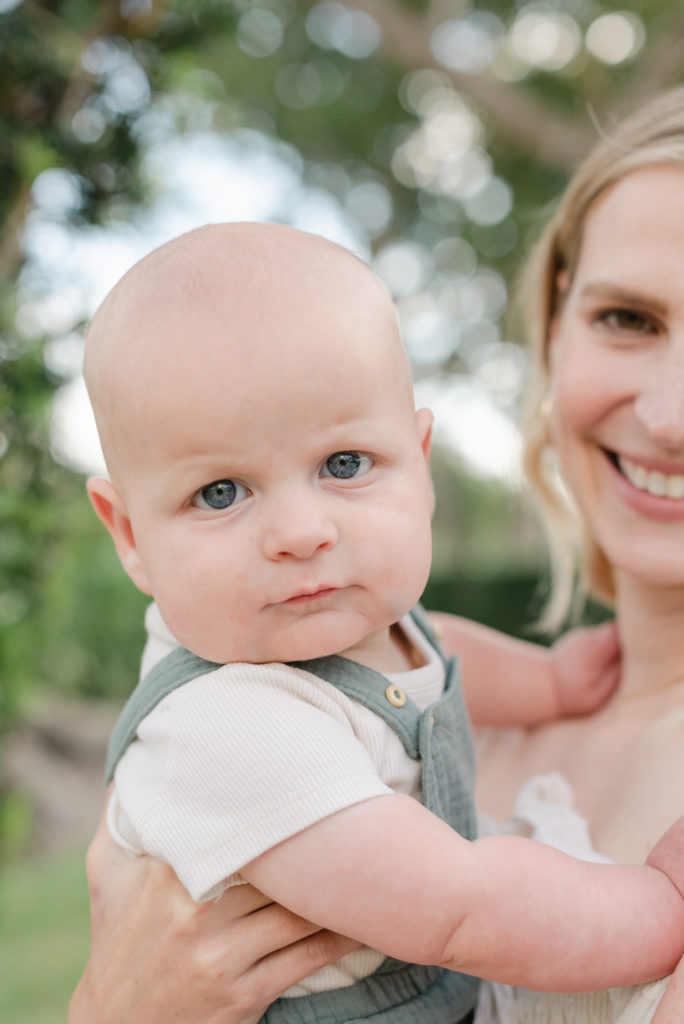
[
  {"x": 370, "y": 203},
  {"x": 259, "y": 32},
  {"x": 125, "y": 88},
  {"x": 88, "y": 125},
  {"x": 56, "y": 192},
  {"x": 404, "y": 266},
  {"x": 443, "y": 153},
  {"x": 615, "y": 37},
  {"x": 491, "y": 203},
  {"x": 468, "y": 44},
  {"x": 332, "y": 25},
  {"x": 545, "y": 38}
]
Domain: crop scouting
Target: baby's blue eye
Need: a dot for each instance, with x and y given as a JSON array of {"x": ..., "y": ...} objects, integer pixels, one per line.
[
  {"x": 220, "y": 494},
  {"x": 343, "y": 465}
]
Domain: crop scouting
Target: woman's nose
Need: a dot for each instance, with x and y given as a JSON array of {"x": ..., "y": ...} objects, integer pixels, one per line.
[
  {"x": 660, "y": 404},
  {"x": 298, "y": 528}
]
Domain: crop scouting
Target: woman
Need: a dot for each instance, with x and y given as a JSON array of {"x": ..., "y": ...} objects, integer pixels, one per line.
[
  {"x": 608, "y": 324},
  {"x": 607, "y": 297}
]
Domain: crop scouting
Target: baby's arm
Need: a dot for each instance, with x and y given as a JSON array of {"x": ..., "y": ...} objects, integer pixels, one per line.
[
  {"x": 514, "y": 682},
  {"x": 392, "y": 875}
]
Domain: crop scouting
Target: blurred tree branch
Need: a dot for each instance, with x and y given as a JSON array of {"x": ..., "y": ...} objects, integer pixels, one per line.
[{"x": 518, "y": 114}]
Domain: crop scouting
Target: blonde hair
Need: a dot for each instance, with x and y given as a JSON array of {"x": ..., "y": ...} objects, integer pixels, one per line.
[{"x": 653, "y": 135}]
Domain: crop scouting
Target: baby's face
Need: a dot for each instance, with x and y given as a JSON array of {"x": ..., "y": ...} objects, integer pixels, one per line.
[{"x": 279, "y": 497}]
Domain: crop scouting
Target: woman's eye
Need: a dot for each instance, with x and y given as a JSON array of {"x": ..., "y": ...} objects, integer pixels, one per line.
[
  {"x": 626, "y": 320},
  {"x": 220, "y": 494},
  {"x": 343, "y": 465}
]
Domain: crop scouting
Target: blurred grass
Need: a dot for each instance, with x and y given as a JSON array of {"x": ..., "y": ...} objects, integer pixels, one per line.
[{"x": 44, "y": 936}]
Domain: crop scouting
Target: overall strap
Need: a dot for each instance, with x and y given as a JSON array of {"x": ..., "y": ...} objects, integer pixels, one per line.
[
  {"x": 374, "y": 691},
  {"x": 356, "y": 681},
  {"x": 419, "y": 617},
  {"x": 178, "y": 667}
]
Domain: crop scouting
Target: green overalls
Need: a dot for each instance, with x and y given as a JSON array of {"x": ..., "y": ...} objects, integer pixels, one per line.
[{"x": 397, "y": 993}]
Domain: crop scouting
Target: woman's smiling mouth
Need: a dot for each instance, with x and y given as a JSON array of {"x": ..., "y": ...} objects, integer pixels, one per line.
[{"x": 653, "y": 482}]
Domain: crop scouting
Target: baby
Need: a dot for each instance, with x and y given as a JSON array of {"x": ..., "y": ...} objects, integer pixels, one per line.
[{"x": 298, "y": 728}]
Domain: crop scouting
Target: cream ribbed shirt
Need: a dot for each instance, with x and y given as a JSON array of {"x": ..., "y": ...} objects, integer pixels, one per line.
[{"x": 234, "y": 762}]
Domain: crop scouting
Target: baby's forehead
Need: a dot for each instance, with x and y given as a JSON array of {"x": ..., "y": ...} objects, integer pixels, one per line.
[
  {"x": 244, "y": 274},
  {"x": 233, "y": 294}
]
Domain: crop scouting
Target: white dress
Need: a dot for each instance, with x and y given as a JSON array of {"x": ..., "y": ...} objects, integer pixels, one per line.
[{"x": 545, "y": 811}]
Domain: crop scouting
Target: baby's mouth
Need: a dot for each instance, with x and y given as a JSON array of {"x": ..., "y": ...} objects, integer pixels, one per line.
[
  {"x": 660, "y": 485},
  {"x": 310, "y": 595}
]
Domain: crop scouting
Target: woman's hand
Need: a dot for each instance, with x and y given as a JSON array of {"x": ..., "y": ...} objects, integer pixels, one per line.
[
  {"x": 157, "y": 956},
  {"x": 671, "y": 1007}
]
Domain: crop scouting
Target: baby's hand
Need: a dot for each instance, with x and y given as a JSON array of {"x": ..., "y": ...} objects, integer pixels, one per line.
[
  {"x": 668, "y": 855},
  {"x": 586, "y": 668}
]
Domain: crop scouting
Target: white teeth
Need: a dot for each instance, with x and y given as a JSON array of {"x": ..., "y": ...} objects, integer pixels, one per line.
[
  {"x": 660, "y": 485},
  {"x": 675, "y": 487},
  {"x": 639, "y": 477}
]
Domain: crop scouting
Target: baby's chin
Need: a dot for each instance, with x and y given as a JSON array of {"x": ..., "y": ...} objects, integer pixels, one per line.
[
  {"x": 305, "y": 648},
  {"x": 302, "y": 642}
]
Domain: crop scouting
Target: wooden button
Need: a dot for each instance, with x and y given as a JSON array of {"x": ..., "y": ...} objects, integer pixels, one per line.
[{"x": 395, "y": 696}]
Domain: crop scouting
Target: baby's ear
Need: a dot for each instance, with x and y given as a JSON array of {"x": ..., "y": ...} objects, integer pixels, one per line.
[{"x": 111, "y": 509}]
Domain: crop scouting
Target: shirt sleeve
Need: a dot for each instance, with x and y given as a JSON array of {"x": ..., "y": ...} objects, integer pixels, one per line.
[{"x": 234, "y": 763}]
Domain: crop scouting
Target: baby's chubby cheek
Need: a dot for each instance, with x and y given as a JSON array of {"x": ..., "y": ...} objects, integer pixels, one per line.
[
  {"x": 404, "y": 581},
  {"x": 212, "y": 631}
]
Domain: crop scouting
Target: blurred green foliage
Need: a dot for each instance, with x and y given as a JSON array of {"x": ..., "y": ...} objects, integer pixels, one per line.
[{"x": 43, "y": 934}]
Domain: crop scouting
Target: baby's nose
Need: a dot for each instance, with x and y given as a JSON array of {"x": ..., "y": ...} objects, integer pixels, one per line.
[{"x": 298, "y": 529}]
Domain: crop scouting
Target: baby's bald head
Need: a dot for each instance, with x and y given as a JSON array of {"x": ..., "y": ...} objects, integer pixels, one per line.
[{"x": 234, "y": 303}]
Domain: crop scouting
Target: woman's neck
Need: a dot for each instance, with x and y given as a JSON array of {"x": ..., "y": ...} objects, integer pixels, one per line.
[{"x": 651, "y": 627}]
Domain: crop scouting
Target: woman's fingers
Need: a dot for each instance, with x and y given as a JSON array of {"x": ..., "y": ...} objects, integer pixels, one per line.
[
  {"x": 157, "y": 955},
  {"x": 224, "y": 941},
  {"x": 274, "y": 974},
  {"x": 273, "y": 928}
]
